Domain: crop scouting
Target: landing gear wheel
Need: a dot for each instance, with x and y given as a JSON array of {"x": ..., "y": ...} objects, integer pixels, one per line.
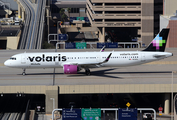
[
  {"x": 23, "y": 73},
  {"x": 87, "y": 72}
]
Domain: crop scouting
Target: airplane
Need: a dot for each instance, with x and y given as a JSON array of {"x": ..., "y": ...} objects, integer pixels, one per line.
[{"x": 73, "y": 62}]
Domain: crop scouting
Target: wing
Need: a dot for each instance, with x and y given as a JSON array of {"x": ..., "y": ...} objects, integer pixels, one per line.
[
  {"x": 158, "y": 56},
  {"x": 90, "y": 64}
]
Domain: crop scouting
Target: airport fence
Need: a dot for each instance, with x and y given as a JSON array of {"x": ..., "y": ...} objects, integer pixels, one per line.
[
  {"x": 93, "y": 45},
  {"x": 99, "y": 113}
]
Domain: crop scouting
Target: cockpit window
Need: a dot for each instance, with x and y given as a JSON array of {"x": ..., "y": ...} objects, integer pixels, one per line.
[{"x": 12, "y": 58}]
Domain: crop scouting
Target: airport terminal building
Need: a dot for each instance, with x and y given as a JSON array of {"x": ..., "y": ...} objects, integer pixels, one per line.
[
  {"x": 125, "y": 20},
  {"x": 119, "y": 20}
]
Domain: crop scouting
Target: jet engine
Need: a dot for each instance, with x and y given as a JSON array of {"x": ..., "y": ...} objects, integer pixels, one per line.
[{"x": 70, "y": 69}]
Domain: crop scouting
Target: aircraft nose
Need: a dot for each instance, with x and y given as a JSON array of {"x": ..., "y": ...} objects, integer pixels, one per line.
[{"x": 6, "y": 63}]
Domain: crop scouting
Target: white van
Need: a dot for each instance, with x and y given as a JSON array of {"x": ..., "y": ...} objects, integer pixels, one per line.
[{"x": 17, "y": 22}]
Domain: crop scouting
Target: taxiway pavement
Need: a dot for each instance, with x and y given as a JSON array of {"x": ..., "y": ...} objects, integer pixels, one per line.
[{"x": 159, "y": 72}]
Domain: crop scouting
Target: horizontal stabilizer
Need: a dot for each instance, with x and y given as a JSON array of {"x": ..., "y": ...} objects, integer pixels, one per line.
[{"x": 158, "y": 56}]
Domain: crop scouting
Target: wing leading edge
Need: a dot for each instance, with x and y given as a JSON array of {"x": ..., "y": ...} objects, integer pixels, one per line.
[{"x": 89, "y": 64}]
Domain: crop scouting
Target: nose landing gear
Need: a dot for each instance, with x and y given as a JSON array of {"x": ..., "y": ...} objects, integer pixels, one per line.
[{"x": 24, "y": 73}]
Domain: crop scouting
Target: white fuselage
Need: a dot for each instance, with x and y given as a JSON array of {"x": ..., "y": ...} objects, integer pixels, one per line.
[{"x": 58, "y": 59}]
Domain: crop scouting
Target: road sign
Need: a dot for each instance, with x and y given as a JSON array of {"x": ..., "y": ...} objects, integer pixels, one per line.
[
  {"x": 128, "y": 104},
  {"x": 72, "y": 18},
  {"x": 112, "y": 45},
  {"x": 160, "y": 109},
  {"x": 86, "y": 19},
  {"x": 160, "y": 112},
  {"x": 70, "y": 45},
  {"x": 71, "y": 114},
  {"x": 81, "y": 45},
  {"x": 108, "y": 45},
  {"x": 80, "y": 18},
  {"x": 128, "y": 114},
  {"x": 62, "y": 37},
  {"x": 91, "y": 114}
]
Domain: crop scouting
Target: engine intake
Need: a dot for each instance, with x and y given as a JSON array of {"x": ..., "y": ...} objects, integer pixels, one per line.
[{"x": 70, "y": 69}]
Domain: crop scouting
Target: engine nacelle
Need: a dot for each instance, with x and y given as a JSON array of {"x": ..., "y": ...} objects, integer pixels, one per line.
[{"x": 70, "y": 69}]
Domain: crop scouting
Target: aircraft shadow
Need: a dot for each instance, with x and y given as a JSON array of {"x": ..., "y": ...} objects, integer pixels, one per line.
[
  {"x": 42, "y": 74},
  {"x": 102, "y": 73},
  {"x": 148, "y": 72}
]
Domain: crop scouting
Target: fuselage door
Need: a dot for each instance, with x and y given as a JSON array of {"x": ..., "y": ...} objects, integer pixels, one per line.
[
  {"x": 57, "y": 63},
  {"x": 23, "y": 59},
  {"x": 143, "y": 57},
  {"x": 98, "y": 58}
]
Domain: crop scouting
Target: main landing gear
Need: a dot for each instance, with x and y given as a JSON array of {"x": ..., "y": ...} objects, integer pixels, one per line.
[
  {"x": 87, "y": 71},
  {"x": 24, "y": 73}
]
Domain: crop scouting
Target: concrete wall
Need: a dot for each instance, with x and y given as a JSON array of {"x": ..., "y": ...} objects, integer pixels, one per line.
[
  {"x": 78, "y": 89},
  {"x": 123, "y": 88},
  {"x": 82, "y": 12},
  {"x": 170, "y": 7},
  {"x": 27, "y": 89},
  {"x": 52, "y": 92},
  {"x": 163, "y": 22},
  {"x": 147, "y": 21},
  {"x": 51, "y": 100},
  {"x": 12, "y": 42},
  {"x": 49, "y": 91},
  {"x": 172, "y": 34}
]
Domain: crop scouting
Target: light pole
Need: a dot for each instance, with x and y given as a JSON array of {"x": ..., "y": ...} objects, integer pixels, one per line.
[
  {"x": 57, "y": 32},
  {"x": 172, "y": 95},
  {"x": 174, "y": 100},
  {"x": 172, "y": 104},
  {"x": 57, "y": 26},
  {"x": 53, "y": 102}
]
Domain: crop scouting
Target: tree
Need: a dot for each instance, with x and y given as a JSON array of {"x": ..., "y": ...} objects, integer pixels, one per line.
[
  {"x": 46, "y": 45},
  {"x": 61, "y": 13},
  {"x": 69, "y": 10},
  {"x": 64, "y": 17}
]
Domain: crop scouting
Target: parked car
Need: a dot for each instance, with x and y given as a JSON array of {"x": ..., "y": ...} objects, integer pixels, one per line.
[{"x": 147, "y": 116}]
